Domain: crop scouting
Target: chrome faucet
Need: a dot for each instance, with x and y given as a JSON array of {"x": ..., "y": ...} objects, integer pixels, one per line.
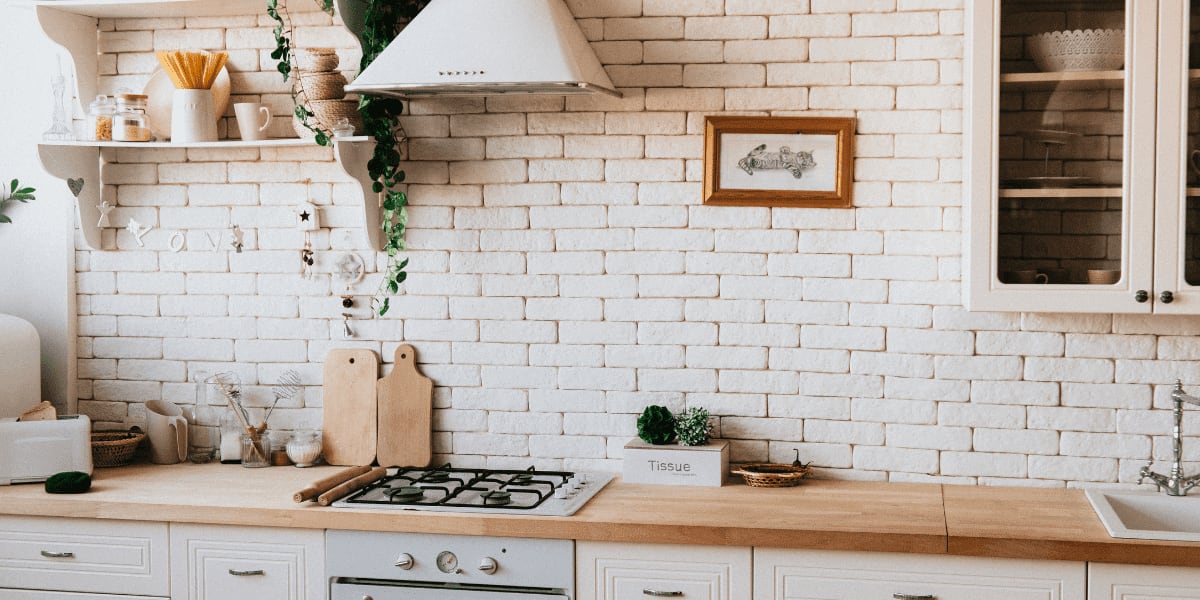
[{"x": 1177, "y": 484}]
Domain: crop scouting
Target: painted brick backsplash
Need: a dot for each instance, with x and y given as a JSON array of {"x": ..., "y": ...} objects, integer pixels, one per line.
[{"x": 564, "y": 274}]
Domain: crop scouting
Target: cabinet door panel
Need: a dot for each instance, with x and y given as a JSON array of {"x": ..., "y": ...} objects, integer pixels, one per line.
[
  {"x": 84, "y": 555},
  {"x": 820, "y": 575},
  {"x": 1140, "y": 582},
  {"x": 610, "y": 571},
  {"x": 217, "y": 563}
]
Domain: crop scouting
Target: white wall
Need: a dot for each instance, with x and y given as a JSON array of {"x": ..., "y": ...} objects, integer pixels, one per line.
[
  {"x": 564, "y": 273},
  {"x": 36, "y": 251}
]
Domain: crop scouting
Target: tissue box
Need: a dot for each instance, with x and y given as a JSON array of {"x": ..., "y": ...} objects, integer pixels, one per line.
[{"x": 672, "y": 464}]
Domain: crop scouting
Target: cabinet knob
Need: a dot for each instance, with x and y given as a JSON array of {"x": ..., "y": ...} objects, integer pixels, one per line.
[
  {"x": 49, "y": 554},
  {"x": 404, "y": 561},
  {"x": 1141, "y": 296},
  {"x": 1166, "y": 297},
  {"x": 488, "y": 565}
]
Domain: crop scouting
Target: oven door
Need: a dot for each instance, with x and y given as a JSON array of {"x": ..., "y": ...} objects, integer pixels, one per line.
[{"x": 375, "y": 590}]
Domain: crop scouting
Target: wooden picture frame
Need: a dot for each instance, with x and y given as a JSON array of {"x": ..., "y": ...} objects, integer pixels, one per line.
[{"x": 779, "y": 161}]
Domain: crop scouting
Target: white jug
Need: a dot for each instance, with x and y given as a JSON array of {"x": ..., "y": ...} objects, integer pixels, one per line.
[{"x": 168, "y": 432}]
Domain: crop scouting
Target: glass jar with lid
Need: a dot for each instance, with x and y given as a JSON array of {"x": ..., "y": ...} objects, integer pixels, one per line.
[
  {"x": 99, "y": 119},
  {"x": 130, "y": 123}
]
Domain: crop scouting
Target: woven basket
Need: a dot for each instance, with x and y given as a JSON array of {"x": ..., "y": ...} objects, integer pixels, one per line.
[
  {"x": 316, "y": 60},
  {"x": 114, "y": 448},
  {"x": 771, "y": 474},
  {"x": 327, "y": 113},
  {"x": 322, "y": 86}
]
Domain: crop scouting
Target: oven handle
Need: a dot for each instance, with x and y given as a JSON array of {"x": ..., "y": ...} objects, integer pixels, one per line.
[{"x": 662, "y": 594}]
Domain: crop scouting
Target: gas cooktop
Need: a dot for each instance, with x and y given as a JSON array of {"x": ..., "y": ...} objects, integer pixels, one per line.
[{"x": 450, "y": 489}]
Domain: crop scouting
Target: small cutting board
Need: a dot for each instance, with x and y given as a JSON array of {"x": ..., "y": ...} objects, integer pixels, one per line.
[
  {"x": 405, "y": 413},
  {"x": 348, "y": 395}
]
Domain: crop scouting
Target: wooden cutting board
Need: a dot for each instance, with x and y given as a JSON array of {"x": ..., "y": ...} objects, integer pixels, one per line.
[
  {"x": 348, "y": 393},
  {"x": 405, "y": 413}
]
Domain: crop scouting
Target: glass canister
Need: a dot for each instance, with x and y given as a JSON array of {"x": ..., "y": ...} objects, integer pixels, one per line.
[
  {"x": 99, "y": 119},
  {"x": 130, "y": 123},
  {"x": 304, "y": 447}
]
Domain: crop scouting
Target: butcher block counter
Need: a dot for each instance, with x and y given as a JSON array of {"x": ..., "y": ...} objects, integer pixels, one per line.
[{"x": 832, "y": 515}]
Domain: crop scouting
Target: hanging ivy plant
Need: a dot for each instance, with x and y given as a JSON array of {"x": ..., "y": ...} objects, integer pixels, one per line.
[{"x": 383, "y": 20}]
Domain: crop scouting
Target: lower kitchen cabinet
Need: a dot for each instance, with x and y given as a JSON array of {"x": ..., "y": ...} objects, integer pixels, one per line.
[
  {"x": 612, "y": 571},
  {"x": 216, "y": 562},
  {"x": 811, "y": 574},
  {"x": 81, "y": 559},
  {"x": 1141, "y": 582}
]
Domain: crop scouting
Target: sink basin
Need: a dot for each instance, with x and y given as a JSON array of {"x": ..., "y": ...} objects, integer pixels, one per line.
[{"x": 1148, "y": 515}]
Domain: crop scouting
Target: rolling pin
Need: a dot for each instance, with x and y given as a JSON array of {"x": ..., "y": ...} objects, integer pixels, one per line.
[
  {"x": 354, "y": 484},
  {"x": 327, "y": 483}
]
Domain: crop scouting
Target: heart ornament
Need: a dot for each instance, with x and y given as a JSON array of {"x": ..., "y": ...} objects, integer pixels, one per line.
[{"x": 75, "y": 185}]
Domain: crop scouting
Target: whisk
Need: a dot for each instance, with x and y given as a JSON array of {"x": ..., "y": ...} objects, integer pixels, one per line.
[{"x": 286, "y": 389}]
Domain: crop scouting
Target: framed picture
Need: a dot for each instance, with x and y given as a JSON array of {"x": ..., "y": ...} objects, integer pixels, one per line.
[{"x": 778, "y": 161}]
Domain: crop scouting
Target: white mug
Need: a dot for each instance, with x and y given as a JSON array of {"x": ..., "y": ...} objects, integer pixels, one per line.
[
  {"x": 168, "y": 432},
  {"x": 250, "y": 120}
]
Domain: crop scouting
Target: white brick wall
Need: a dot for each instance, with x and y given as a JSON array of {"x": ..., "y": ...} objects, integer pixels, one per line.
[{"x": 564, "y": 274}]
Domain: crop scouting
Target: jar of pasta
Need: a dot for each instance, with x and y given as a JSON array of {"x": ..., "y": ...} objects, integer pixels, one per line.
[
  {"x": 99, "y": 119},
  {"x": 130, "y": 123}
]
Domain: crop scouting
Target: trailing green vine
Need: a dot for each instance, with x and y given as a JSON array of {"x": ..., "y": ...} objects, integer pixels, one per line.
[
  {"x": 383, "y": 20},
  {"x": 277, "y": 10}
]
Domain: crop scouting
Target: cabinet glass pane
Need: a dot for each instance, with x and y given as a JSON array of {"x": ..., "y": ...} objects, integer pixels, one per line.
[
  {"x": 1061, "y": 125},
  {"x": 1191, "y": 257}
]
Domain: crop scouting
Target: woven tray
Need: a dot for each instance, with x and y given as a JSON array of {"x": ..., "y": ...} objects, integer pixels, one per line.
[
  {"x": 114, "y": 448},
  {"x": 771, "y": 474}
]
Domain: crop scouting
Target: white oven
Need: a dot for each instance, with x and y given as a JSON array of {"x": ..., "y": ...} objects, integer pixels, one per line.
[{"x": 368, "y": 565}]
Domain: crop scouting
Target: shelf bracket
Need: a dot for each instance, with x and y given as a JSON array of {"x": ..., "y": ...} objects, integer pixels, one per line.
[
  {"x": 76, "y": 34},
  {"x": 73, "y": 164},
  {"x": 353, "y": 155}
]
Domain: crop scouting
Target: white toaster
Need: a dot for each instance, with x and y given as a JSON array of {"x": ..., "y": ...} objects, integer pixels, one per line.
[{"x": 32, "y": 451}]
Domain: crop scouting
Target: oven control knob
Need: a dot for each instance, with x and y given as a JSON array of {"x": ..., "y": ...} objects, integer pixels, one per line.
[
  {"x": 488, "y": 565},
  {"x": 404, "y": 561}
]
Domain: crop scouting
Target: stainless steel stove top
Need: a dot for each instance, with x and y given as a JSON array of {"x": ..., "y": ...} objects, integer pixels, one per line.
[{"x": 450, "y": 489}]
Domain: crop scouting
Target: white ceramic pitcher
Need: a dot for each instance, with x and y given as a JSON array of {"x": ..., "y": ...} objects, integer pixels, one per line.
[{"x": 168, "y": 432}]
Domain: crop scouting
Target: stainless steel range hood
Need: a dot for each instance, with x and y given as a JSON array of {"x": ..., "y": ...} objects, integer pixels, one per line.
[{"x": 487, "y": 47}]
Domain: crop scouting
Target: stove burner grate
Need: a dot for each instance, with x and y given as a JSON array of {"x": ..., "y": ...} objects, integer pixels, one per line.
[{"x": 463, "y": 488}]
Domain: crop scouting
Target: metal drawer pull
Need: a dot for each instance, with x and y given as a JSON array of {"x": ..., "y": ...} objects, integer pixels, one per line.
[
  {"x": 58, "y": 554},
  {"x": 913, "y": 597},
  {"x": 662, "y": 594},
  {"x": 237, "y": 573}
]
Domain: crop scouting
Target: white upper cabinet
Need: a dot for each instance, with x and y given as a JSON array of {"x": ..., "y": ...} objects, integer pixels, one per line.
[{"x": 1077, "y": 187}]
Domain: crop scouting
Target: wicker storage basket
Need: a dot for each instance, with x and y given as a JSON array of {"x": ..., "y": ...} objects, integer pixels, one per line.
[
  {"x": 114, "y": 448},
  {"x": 316, "y": 60},
  {"x": 322, "y": 86},
  {"x": 327, "y": 113},
  {"x": 771, "y": 474}
]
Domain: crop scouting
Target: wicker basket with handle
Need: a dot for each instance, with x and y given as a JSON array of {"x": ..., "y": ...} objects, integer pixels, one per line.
[
  {"x": 114, "y": 448},
  {"x": 771, "y": 474}
]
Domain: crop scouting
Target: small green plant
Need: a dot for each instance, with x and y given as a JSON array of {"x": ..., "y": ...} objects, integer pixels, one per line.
[
  {"x": 15, "y": 193},
  {"x": 656, "y": 425},
  {"x": 692, "y": 426}
]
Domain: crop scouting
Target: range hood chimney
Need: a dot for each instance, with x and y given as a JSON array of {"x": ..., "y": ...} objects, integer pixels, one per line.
[{"x": 487, "y": 47}]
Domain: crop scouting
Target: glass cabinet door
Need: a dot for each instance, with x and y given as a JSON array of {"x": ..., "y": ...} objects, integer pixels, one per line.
[
  {"x": 1177, "y": 222},
  {"x": 1070, "y": 227}
]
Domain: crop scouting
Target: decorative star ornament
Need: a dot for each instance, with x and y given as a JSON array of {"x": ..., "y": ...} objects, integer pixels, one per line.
[
  {"x": 104, "y": 208},
  {"x": 138, "y": 230}
]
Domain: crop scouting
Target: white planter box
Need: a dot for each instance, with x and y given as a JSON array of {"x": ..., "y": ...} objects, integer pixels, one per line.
[{"x": 706, "y": 465}]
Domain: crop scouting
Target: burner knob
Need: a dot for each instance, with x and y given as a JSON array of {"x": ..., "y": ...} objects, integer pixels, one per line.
[
  {"x": 488, "y": 565},
  {"x": 404, "y": 561}
]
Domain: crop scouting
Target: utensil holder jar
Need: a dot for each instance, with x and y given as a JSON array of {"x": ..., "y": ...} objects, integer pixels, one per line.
[
  {"x": 256, "y": 450},
  {"x": 193, "y": 118}
]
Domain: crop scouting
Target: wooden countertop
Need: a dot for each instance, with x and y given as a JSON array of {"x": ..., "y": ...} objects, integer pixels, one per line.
[{"x": 833, "y": 515}]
